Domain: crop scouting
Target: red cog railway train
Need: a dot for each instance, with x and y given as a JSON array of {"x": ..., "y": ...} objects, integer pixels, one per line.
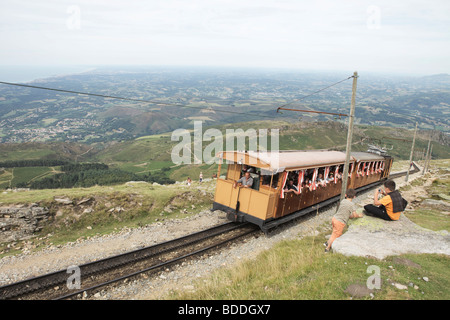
[{"x": 313, "y": 177}]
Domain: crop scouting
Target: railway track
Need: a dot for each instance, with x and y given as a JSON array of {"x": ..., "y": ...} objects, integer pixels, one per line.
[
  {"x": 98, "y": 274},
  {"x": 95, "y": 275}
]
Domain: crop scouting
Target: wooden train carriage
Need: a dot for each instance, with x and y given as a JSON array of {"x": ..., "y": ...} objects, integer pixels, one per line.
[{"x": 267, "y": 201}]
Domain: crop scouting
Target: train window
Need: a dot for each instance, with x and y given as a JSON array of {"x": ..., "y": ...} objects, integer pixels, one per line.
[
  {"x": 266, "y": 180},
  {"x": 275, "y": 180},
  {"x": 233, "y": 171},
  {"x": 309, "y": 175},
  {"x": 223, "y": 172},
  {"x": 293, "y": 175},
  {"x": 320, "y": 180},
  {"x": 267, "y": 177},
  {"x": 359, "y": 169},
  {"x": 341, "y": 171}
]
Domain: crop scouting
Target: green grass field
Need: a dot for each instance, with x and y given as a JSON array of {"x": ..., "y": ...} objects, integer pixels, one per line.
[
  {"x": 27, "y": 174},
  {"x": 433, "y": 218},
  {"x": 5, "y": 178},
  {"x": 299, "y": 270},
  {"x": 12, "y": 177}
]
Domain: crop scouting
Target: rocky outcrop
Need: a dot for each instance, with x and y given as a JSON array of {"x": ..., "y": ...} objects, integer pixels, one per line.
[
  {"x": 440, "y": 205},
  {"x": 369, "y": 236},
  {"x": 20, "y": 223}
]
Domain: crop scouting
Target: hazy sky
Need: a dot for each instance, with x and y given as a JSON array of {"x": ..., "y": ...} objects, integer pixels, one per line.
[{"x": 383, "y": 36}]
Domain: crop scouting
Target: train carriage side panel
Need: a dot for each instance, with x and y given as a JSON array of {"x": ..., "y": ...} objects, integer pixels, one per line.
[
  {"x": 223, "y": 192},
  {"x": 388, "y": 166},
  {"x": 262, "y": 204},
  {"x": 258, "y": 205}
]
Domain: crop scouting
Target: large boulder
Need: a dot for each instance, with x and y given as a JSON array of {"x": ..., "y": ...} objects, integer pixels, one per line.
[{"x": 374, "y": 237}]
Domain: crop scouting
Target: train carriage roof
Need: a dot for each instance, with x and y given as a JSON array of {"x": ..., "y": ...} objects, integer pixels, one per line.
[
  {"x": 295, "y": 159},
  {"x": 286, "y": 160},
  {"x": 366, "y": 156}
]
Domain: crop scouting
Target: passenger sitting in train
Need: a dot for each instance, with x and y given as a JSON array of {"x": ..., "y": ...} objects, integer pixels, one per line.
[
  {"x": 308, "y": 175},
  {"x": 330, "y": 177},
  {"x": 307, "y": 185},
  {"x": 247, "y": 168},
  {"x": 246, "y": 181},
  {"x": 290, "y": 187},
  {"x": 320, "y": 181},
  {"x": 294, "y": 177}
]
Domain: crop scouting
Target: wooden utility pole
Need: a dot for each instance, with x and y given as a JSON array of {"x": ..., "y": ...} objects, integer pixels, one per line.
[
  {"x": 350, "y": 129},
  {"x": 426, "y": 157},
  {"x": 348, "y": 149},
  {"x": 411, "y": 155},
  {"x": 429, "y": 159}
]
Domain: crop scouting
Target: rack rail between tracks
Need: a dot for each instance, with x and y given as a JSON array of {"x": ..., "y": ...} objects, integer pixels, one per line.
[{"x": 118, "y": 267}]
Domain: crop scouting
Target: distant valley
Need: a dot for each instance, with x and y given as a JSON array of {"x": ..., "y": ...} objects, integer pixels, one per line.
[
  {"x": 128, "y": 140},
  {"x": 214, "y": 96}
]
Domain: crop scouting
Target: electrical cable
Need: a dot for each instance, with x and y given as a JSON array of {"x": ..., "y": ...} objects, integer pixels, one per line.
[
  {"x": 133, "y": 99},
  {"x": 167, "y": 103},
  {"x": 313, "y": 93}
]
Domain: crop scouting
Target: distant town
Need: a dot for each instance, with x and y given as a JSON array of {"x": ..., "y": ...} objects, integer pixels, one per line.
[{"x": 33, "y": 115}]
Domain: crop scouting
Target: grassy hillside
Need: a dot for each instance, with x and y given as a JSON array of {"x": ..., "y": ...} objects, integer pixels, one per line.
[
  {"x": 153, "y": 153},
  {"x": 40, "y": 150},
  {"x": 103, "y": 210},
  {"x": 293, "y": 136}
]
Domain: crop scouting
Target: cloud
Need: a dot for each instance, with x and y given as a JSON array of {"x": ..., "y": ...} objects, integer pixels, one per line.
[{"x": 323, "y": 34}]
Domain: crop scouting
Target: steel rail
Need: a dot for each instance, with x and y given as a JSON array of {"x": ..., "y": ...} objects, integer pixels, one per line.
[
  {"x": 60, "y": 277},
  {"x": 163, "y": 264}
]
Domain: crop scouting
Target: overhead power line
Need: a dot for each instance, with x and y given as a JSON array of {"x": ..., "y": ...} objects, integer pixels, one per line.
[
  {"x": 253, "y": 114},
  {"x": 315, "y": 92},
  {"x": 312, "y": 111}
]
